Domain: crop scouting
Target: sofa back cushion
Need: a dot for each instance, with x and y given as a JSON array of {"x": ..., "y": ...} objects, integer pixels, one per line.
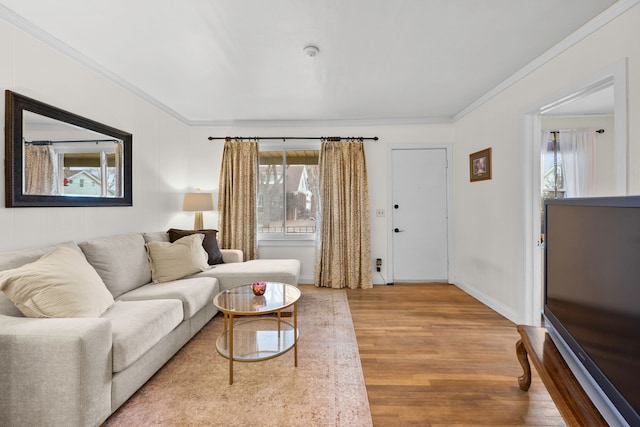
[
  {"x": 121, "y": 261},
  {"x": 210, "y": 242},
  {"x": 59, "y": 284},
  {"x": 15, "y": 259},
  {"x": 156, "y": 236},
  {"x": 8, "y": 308},
  {"x": 171, "y": 261}
]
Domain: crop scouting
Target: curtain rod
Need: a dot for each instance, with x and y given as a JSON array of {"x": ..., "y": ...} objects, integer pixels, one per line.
[
  {"x": 558, "y": 131},
  {"x": 284, "y": 138},
  {"x": 47, "y": 142}
]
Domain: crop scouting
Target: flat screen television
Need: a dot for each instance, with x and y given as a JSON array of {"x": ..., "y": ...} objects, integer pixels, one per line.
[{"x": 592, "y": 297}]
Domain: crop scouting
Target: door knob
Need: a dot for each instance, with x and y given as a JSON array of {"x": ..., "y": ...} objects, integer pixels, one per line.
[
  {"x": 396, "y": 206},
  {"x": 397, "y": 230}
]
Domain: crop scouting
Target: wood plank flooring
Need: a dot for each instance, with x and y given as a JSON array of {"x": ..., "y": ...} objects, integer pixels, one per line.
[{"x": 434, "y": 356}]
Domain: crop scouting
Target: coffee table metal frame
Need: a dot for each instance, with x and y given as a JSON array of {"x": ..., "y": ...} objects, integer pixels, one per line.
[{"x": 241, "y": 301}]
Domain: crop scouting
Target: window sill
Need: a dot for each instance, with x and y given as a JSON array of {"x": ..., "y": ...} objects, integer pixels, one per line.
[{"x": 286, "y": 242}]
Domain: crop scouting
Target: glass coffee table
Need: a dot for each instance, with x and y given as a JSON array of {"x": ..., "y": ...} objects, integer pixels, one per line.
[{"x": 259, "y": 337}]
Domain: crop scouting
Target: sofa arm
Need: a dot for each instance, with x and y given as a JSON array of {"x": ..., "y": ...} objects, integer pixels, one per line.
[
  {"x": 232, "y": 255},
  {"x": 54, "y": 372}
]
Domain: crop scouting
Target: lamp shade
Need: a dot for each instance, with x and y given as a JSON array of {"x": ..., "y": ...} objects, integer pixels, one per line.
[{"x": 197, "y": 202}]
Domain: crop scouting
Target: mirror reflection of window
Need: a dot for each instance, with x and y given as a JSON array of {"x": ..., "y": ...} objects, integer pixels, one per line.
[{"x": 62, "y": 159}]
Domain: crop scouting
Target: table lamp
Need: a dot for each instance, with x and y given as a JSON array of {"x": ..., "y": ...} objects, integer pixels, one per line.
[{"x": 197, "y": 202}]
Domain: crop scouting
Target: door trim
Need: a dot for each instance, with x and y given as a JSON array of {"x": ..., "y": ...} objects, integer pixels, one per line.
[
  {"x": 530, "y": 293},
  {"x": 420, "y": 146}
]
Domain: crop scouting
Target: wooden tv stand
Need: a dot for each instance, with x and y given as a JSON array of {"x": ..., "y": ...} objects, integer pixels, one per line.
[{"x": 572, "y": 401}]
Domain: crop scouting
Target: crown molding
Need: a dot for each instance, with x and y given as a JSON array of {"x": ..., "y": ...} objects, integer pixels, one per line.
[
  {"x": 322, "y": 123},
  {"x": 615, "y": 10},
  {"x": 43, "y": 36}
]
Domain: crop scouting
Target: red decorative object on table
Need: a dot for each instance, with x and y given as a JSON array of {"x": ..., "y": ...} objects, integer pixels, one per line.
[{"x": 258, "y": 288}]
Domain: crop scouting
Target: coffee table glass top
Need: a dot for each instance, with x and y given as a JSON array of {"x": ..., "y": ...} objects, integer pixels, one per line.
[{"x": 241, "y": 300}]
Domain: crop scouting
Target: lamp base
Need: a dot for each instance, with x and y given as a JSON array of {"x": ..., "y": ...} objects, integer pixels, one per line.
[{"x": 197, "y": 221}]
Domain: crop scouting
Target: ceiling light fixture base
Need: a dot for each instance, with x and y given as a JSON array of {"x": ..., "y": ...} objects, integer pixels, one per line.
[{"x": 311, "y": 51}]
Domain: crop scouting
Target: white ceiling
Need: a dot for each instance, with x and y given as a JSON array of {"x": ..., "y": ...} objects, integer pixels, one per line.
[{"x": 216, "y": 61}]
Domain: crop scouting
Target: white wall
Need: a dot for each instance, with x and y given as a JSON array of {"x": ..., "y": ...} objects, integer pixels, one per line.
[
  {"x": 489, "y": 227},
  {"x": 171, "y": 158},
  {"x": 206, "y": 170},
  {"x": 161, "y": 167}
]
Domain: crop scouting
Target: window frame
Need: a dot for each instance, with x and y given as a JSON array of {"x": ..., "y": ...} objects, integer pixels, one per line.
[{"x": 302, "y": 238}]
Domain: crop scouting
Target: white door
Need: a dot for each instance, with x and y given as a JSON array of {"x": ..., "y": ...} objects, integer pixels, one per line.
[{"x": 419, "y": 214}]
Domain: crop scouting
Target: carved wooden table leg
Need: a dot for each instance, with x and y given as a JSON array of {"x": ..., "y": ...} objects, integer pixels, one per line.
[{"x": 524, "y": 380}]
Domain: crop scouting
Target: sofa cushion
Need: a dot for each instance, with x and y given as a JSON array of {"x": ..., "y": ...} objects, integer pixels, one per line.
[
  {"x": 13, "y": 259},
  {"x": 60, "y": 284},
  {"x": 171, "y": 261},
  {"x": 194, "y": 293},
  {"x": 8, "y": 308},
  {"x": 121, "y": 261},
  {"x": 210, "y": 242},
  {"x": 139, "y": 325},
  {"x": 236, "y": 274},
  {"x": 155, "y": 236}
]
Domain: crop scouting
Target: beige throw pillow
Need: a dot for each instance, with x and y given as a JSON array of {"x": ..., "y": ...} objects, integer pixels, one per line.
[
  {"x": 59, "y": 284},
  {"x": 171, "y": 261}
]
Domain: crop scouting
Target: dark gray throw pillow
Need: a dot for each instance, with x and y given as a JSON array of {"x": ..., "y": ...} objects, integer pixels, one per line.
[{"x": 210, "y": 242}]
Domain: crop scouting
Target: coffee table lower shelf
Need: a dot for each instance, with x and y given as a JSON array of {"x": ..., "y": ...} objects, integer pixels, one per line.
[{"x": 256, "y": 339}]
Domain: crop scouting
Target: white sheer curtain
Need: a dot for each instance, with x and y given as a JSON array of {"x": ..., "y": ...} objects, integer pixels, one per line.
[
  {"x": 544, "y": 148},
  {"x": 577, "y": 147}
]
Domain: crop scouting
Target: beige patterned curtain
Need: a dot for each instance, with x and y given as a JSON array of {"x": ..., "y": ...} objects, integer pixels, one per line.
[
  {"x": 343, "y": 258},
  {"x": 237, "y": 197},
  {"x": 40, "y": 170}
]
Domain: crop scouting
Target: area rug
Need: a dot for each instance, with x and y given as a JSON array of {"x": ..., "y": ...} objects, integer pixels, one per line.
[{"x": 326, "y": 389}]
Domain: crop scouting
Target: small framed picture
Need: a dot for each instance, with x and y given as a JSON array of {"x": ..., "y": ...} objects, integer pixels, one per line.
[{"x": 480, "y": 165}]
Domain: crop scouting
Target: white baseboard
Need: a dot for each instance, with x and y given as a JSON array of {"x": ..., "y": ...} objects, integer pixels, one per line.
[
  {"x": 488, "y": 301},
  {"x": 306, "y": 280}
]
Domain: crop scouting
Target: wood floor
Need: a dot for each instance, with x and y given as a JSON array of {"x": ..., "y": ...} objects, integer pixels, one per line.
[{"x": 434, "y": 356}]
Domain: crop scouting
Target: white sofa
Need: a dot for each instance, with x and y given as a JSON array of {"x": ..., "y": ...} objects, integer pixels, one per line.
[{"x": 78, "y": 371}]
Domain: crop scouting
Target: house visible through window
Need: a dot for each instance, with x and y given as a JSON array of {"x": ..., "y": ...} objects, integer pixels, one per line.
[
  {"x": 96, "y": 167},
  {"x": 287, "y": 193}
]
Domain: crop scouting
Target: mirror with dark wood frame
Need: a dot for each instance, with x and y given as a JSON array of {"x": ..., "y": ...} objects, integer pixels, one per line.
[{"x": 55, "y": 158}]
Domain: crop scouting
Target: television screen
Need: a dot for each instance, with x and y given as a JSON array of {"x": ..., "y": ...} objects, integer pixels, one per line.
[{"x": 592, "y": 290}]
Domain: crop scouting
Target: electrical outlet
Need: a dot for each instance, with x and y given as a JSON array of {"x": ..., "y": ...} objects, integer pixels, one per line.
[
  {"x": 378, "y": 264},
  {"x": 380, "y": 213}
]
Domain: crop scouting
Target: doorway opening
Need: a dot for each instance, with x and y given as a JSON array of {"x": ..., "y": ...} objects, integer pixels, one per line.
[{"x": 597, "y": 103}]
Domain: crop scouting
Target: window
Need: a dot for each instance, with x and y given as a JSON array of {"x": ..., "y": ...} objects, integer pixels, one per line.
[
  {"x": 96, "y": 165},
  {"x": 287, "y": 191},
  {"x": 552, "y": 173}
]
